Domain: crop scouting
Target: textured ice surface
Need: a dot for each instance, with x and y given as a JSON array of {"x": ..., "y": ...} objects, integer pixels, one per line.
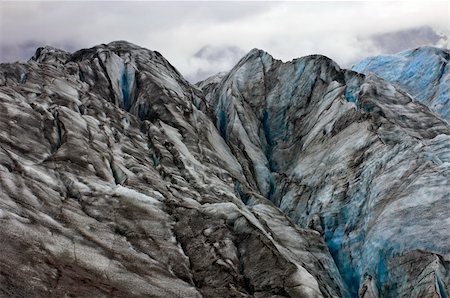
[{"x": 423, "y": 72}]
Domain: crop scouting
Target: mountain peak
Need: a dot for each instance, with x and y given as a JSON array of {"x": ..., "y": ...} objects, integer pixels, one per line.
[
  {"x": 123, "y": 44},
  {"x": 255, "y": 53},
  {"x": 429, "y": 50}
]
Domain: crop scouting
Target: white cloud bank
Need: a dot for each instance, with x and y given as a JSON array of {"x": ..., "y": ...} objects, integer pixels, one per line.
[{"x": 341, "y": 30}]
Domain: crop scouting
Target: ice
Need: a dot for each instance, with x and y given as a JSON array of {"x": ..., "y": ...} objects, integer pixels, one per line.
[
  {"x": 133, "y": 194},
  {"x": 223, "y": 151},
  {"x": 440, "y": 286},
  {"x": 127, "y": 85},
  {"x": 23, "y": 78},
  {"x": 66, "y": 89},
  {"x": 222, "y": 124}
]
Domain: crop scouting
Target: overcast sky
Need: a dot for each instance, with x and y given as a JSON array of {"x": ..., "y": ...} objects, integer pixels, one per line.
[{"x": 201, "y": 38}]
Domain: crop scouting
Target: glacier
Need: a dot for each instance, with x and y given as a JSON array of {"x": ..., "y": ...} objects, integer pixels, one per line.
[{"x": 119, "y": 178}]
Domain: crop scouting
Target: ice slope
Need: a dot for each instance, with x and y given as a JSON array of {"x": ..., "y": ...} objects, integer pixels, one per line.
[
  {"x": 350, "y": 156},
  {"x": 423, "y": 72},
  {"x": 114, "y": 182}
]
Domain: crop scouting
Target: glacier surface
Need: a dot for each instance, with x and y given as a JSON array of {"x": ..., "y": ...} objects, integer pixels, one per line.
[{"x": 118, "y": 178}]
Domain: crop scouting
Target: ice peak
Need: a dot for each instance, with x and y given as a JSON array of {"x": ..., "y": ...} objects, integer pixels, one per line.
[
  {"x": 429, "y": 50},
  {"x": 47, "y": 53},
  {"x": 123, "y": 45},
  {"x": 256, "y": 54},
  {"x": 423, "y": 72}
]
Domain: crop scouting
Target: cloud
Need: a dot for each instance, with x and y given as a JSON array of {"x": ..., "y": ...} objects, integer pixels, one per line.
[
  {"x": 23, "y": 51},
  {"x": 344, "y": 31},
  {"x": 210, "y": 60},
  {"x": 393, "y": 42}
]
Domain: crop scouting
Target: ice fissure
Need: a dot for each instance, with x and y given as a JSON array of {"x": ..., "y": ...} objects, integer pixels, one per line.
[
  {"x": 440, "y": 287},
  {"x": 127, "y": 82},
  {"x": 125, "y": 87}
]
